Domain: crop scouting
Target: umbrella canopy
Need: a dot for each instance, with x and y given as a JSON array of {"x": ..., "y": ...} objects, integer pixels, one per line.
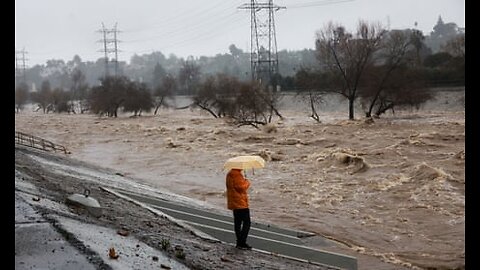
[{"x": 244, "y": 163}]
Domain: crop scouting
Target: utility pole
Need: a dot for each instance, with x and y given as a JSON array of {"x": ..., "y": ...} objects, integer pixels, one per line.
[
  {"x": 109, "y": 39},
  {"x": 263, "y": 42},
  {"x": 20, "y": 68}
]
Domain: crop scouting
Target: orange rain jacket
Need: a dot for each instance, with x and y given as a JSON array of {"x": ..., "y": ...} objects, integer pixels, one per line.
[{"x": 237, "y": 186}]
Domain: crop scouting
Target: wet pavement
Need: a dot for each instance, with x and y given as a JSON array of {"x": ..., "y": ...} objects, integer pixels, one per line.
[
  {"x": 39, "y": 246},
  {"x": 57, "y": 240},
  {"x": 263, "y": 237}
]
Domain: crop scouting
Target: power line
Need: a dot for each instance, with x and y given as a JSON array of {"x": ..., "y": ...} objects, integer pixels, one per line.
[
  {"x": 182, "y": 16},
  {"x": 208, "y": 28},
  {"x": 202, "y": 36},
  {"x": 317, "y": 3},
  {"x": 198, "y": 30},
  {"x": 207, "y": 21}
]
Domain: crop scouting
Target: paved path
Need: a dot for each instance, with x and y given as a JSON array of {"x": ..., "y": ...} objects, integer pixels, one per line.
[
  {"x": 263, "y": 237},
  {"x": 39, "y": 246}
]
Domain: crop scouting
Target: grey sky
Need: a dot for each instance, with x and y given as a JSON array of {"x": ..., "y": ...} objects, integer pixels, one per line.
[{"x": 59, "y": 29}]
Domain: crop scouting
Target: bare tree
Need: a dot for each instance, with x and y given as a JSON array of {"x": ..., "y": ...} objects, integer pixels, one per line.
[
  {"x": 164, "y": 91},
  {"x": 217, "y": 95},
  {"x": 43, "y": 97},
  {"x": 247, "y": 103},
  {"x": 206, "y": 97},
  {"x": 78, "y": 91},
  {"x": 271, "y": 98},
  {"x": 308, "y": 83},
  {"x": 159, "y": 75},
  {"x": 347, "y": 55},
  {"x": 108, "y": 97},
  {"x": 228, "y": 89},
  {"x": 397, "y": 49},
  {"x": 138, "y": 98},
  {"x": 21, "y": 96},
  {"x": 61, "y": 101},
  {"x": 251, "y": 106},
  {"x": 188, "y": 77},
  {"x": 403, "y": 88}
]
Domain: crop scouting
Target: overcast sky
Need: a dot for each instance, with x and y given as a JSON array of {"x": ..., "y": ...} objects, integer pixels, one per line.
[{"x": 59, "y": 29}]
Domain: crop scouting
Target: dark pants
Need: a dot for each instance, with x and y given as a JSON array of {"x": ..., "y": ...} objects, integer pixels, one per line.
[{"x": 241, "y": 219}]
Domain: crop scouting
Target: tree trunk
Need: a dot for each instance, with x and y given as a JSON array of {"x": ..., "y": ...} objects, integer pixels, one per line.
[
  {"x": 351, "y": 114},
  {"x": 385, "y": 107},
  {"x": 370, "y": 109},
  {"x": 208, "y": 110},
  {"x": 314, "y": 111},
  {"x": 276, "y": 112}
]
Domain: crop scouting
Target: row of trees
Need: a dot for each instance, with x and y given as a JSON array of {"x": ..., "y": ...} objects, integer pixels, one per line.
[
  {"x": 107, "y": 98},
  {"x": 247, "y": 103},
  {"x": 383, "y": 69},
  {"x": 244, "y": 102},
  {"x": 146, "y": 67}
]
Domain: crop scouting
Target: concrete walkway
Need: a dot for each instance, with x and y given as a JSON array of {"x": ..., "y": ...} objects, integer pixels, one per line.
[
  {"x": 263, "y": 237},
  {"x": 39, "y": 246}
]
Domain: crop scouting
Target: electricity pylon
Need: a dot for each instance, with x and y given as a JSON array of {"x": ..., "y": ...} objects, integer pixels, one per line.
[
  {"x": 109, "y": 40},
  {"x": 20, "y": 68},
  {"x": 263, "y": 42}
]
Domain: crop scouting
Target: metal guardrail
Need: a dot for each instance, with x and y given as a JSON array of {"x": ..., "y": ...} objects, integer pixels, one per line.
[{"x": 37, "y": 142}]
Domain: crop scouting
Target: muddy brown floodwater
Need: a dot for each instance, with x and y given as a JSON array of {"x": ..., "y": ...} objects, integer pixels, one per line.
[{"x": 391, "y": 191}]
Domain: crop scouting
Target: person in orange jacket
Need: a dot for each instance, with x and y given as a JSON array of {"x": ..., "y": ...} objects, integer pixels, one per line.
[{"x": 237, "y": 201}]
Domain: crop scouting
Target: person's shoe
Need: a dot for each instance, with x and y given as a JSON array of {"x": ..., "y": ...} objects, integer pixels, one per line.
[
  {"x": 248, "y": 247},
  {"x": 244, "y": 247}
]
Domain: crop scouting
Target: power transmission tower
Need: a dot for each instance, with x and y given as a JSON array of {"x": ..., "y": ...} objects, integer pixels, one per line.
[
  {"x": 20, "y": 68},
  {"x": 263, "y": 42},
  {"x": 110, "y": 45}
]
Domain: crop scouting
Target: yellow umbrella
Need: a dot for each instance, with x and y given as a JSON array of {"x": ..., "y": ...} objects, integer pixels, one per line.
[{"x": 244, "y": 163}]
